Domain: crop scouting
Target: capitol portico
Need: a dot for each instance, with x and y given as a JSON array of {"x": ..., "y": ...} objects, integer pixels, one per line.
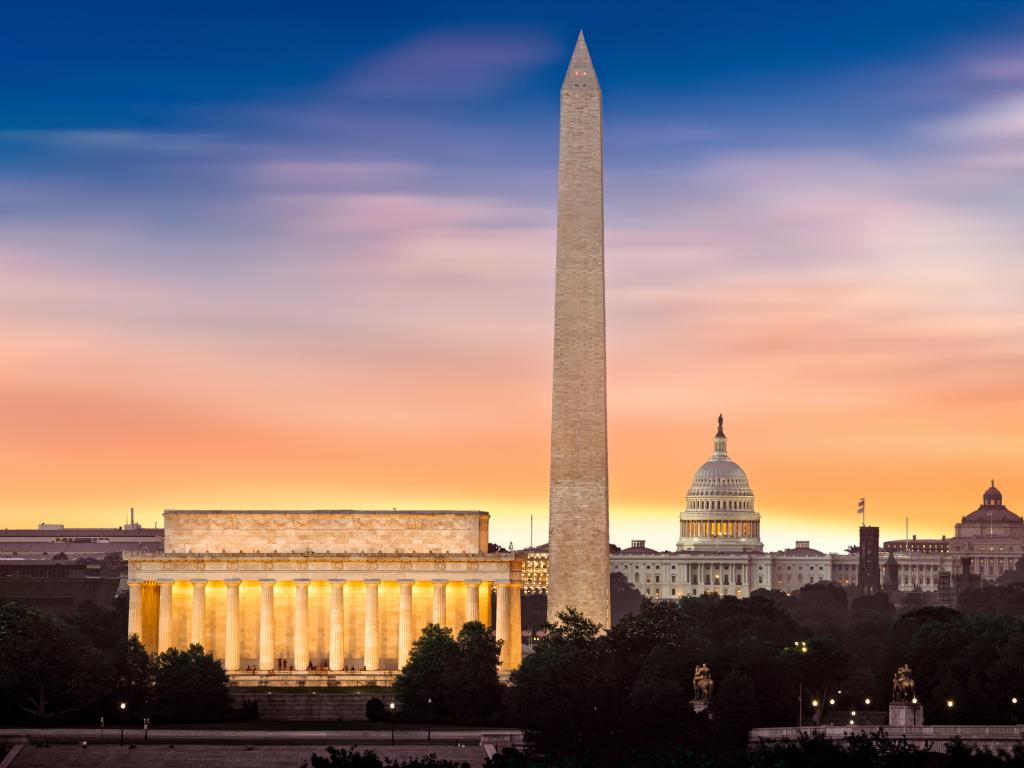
[{"x": 345, "y": 591}]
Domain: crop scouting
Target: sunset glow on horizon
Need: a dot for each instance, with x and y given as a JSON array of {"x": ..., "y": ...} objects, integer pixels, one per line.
[{"x": 312, "y": 265}]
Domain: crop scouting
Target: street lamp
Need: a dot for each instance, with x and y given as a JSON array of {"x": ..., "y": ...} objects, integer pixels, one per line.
[
  {"x": 430, "y": 713},
  {"x": 800, "y": 646},
  {"x": 123, "y": 707},
  {"x": 949, "y": 711},
  {"x": 391, "y": 707},
  {"x": 1013, "y": 701}
]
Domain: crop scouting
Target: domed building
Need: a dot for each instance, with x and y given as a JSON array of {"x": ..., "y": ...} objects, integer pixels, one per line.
[
  {"x": 991, "y": 536},
  {"x": 720, "y": 513}
]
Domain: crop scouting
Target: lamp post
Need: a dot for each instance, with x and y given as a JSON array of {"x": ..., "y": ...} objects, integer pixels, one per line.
[
  {"x": 867, "y": 711},
  {"x": 430, "y": 713},
  {"x": 1013, "y": 702},
  {"x": 799, "y": 646},
  {"x": 949, "y": 711},
  {"x": 123, "y": 706},
  {"x": 103, "y": 725},
  {"x": 391, "y": 707},
  {"x": 817, "y": 715}
]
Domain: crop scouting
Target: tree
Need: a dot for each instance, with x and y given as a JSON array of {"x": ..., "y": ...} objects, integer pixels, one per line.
[
  {"x": 459, "y": 675},
  {"x": 104, "y": 627},
  {"x": 433, "y": 658},
  {"x": 625, "y": 598},
  {"x": 563, "y": 694},
  {"x": 473, "y": 687},
  {"x": 189, "y": 686},
  {"x": 735, "y": 707},
  {"x": 350, "y": 758},
  {"x": 1005, "y": 600},
  {"x": 47, "y": 671},
  {"x": 132, "y": 676}
]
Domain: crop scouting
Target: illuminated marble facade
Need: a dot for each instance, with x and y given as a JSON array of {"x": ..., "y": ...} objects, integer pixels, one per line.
[{"x": 257, "y": 587}]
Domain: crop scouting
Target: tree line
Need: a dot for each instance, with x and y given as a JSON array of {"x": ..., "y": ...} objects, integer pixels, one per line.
[{"x": 76, "y": 670}]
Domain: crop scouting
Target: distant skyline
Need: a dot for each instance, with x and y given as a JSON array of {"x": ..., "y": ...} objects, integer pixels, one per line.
[{"x": 252, "y": 257}]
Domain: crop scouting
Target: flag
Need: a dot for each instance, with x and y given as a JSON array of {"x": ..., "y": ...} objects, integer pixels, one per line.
[{"x": 860, "y": 506}]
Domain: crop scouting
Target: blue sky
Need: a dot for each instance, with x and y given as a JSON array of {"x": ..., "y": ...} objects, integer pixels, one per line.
[{"x": 233, "y": 232}]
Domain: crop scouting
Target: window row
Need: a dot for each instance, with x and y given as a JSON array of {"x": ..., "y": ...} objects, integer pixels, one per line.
[{"x": 746, "y": 529}]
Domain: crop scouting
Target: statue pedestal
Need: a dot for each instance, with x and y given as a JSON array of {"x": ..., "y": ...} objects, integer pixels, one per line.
[
  {"x": 698, "y": 706},
  {"x": 903, "y": 714}
]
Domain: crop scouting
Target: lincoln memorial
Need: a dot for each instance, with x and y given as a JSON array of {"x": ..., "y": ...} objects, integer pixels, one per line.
[{"x": 282, "y": 597}]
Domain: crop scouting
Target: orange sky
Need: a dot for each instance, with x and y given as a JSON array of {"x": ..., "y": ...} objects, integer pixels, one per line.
[
  {"x": 211, "y": 316},
  {"x": 426, "y": 383}
]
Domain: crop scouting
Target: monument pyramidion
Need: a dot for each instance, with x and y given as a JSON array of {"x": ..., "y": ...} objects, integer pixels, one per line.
[{"x": 578, "y": 521}]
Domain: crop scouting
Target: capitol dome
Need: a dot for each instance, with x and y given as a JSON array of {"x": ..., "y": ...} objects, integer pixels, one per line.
[{"x": 720, "y": 514}]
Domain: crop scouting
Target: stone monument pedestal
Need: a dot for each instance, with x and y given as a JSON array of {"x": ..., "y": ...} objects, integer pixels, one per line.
[
  {"x": 903, "y": 714},
  {"x": 698, "y": 706}
]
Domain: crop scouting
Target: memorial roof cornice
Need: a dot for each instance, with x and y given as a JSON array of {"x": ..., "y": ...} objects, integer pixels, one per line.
[
  {"x": 326, "y": 512},
  {"x": 376, "y": 556}
]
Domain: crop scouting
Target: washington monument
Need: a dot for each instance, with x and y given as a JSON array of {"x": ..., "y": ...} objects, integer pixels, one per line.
[{"x": 578, "y": 523}]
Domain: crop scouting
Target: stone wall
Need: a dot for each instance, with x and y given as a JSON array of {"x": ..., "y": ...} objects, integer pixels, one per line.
[{"x": 325, "y": 531}]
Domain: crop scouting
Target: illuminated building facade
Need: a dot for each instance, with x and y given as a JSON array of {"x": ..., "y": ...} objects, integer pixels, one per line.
[{"x": 331, "y": 594}]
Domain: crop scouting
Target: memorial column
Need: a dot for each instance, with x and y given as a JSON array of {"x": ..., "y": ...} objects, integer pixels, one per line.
[
  {"x": 404, "y": 620},
  {"x": 135, "y": 609},
  {"x": 502, "y": 624},
  {"x": 164, "y": 627},
  {"x": 371, "y": 636},
  {"x": 488, "y": 586},
  {"x": 515, "y": 627},
  {"x": 438, "y": 617},
  {"x": 199, "y": 612},
  {"x": 472, "y": 600},
  {"x": 232, "y": 654},
  {"x": 301, "y": 639},
  {"x": 266, "y": 662},
  {"x": 337, "y": 631}
]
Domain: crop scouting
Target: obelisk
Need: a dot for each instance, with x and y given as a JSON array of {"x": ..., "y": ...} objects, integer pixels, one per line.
[{"x": 578, "y": 522}]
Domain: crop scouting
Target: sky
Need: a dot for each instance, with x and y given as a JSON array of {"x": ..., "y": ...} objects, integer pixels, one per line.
[{"x": 302, "y": 255}]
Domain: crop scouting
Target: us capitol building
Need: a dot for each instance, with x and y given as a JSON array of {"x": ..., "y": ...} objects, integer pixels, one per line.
[{"x": 719, "y": 548}]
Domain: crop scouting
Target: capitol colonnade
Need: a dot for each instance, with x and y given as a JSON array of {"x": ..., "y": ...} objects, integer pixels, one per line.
[{"x": 322, "y": 612}]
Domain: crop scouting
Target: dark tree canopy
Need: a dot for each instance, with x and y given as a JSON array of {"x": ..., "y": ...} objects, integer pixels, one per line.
[
  {"x": 189, "y": 686},
  {"x": 458, "y": 675}
]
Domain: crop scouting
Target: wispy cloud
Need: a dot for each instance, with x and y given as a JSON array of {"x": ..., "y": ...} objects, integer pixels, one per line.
[{"x": 447, "y": 65}]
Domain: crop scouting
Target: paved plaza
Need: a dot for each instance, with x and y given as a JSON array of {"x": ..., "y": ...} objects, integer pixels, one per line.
[{"x": 155, "y": 755}]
